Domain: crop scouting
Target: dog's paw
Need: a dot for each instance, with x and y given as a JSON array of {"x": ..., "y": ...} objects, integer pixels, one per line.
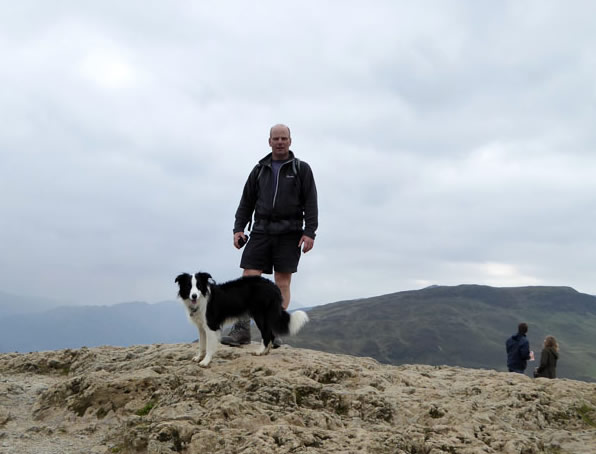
[
  {"x": 263, "y": 351},
  {"x": 198, "y": 357},
  {"x": 204, "y": 363}
]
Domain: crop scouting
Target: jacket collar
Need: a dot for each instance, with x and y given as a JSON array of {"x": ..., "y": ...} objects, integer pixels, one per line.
[{"x": 266, "y": 161}]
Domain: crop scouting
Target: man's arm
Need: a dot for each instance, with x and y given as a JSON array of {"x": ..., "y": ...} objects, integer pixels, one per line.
[
  {"x": 311, "y": 208},
  {"x": 247, "y": 202}
]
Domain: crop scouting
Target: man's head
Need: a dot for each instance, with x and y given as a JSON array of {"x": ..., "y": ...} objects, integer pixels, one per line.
[
  {"x": 522, "y": 328},
  {"x": 280, "y": 141}
]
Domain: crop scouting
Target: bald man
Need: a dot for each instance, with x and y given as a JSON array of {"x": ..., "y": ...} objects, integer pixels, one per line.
[{"x": 281, "y": 192}]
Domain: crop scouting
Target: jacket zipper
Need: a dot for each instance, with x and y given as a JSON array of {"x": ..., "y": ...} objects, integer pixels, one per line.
[{"x": 277, "y": 185}]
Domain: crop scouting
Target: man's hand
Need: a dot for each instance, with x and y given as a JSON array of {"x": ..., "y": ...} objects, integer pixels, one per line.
[
  {"x": 237, "y": 236},
  {"x": 306, "y": 243}
]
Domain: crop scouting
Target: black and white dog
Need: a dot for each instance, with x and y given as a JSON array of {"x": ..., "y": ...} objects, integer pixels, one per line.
[{"x": 210, "y": 305}]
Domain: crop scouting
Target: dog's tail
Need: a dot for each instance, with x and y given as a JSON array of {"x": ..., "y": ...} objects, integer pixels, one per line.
[
  {"x": 297, "y": 320},
  {"x": 290, "y": 323}
]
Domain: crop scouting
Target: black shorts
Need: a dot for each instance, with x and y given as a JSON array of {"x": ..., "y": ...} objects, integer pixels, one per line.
[{"x": 272, "y": 252}]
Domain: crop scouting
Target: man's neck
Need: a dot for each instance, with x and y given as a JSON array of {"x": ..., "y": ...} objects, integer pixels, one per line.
[{"x": 280, "y": 158}]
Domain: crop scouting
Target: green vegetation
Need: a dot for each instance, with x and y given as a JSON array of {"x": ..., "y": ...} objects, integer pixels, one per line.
[
  {"x": 146, "y": 409},
  {"x": 465, "y": 326},
  {"x": 587, "y": 414}
]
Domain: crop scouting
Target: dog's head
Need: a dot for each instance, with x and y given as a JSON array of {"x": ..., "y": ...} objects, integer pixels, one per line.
[{"x": 191, "y": 287}]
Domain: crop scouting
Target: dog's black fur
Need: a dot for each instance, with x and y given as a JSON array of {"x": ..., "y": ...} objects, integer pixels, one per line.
[{"x": 210, "y": 305}]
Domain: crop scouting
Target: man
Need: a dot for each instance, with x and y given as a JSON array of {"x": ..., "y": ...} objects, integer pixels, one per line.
[
  {"x": 518, "y": 350},
  {"x": 282, "y": 194}
]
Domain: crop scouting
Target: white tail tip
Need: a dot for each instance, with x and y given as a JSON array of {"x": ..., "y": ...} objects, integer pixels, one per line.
[{"x": 297, "y": 320}]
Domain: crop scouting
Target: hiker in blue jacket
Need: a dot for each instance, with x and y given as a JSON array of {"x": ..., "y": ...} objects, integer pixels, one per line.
[{"x": 518, "y": 350}]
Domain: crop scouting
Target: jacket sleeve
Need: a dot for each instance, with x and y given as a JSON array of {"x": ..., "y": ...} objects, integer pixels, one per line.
[
  {"x": 311, "y": 207},
  {"x": 544, "y": 357},
  {"x": 247, "y": 201}
]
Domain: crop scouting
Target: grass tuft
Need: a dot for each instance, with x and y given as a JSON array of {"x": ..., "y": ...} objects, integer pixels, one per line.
[
  {"x": 586, "y": 414},
  {"x": 146, "y": 409}
]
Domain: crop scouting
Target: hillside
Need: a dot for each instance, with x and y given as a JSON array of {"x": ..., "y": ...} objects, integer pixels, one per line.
[
  {"x": 153, "y": 399},
  {"x": 464, "y": 325}
]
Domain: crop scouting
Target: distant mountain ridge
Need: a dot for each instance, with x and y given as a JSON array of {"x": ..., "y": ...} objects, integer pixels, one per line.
[
  {"x": 11, "y": 304},
  {"x": 90, "y": 326},
  {"x": 464, "y": 325}
]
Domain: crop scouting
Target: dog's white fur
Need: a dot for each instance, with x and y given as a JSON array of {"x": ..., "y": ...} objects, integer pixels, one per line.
[{"x": 208, "y": 339}]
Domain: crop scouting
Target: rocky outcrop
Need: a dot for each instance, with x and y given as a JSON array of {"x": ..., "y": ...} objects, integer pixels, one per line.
[{"x": 155, "y": 399}]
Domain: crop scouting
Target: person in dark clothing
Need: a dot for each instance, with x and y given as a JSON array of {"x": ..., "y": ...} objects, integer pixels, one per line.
[
  {"x": 518, "y": 350},
  {"x": 281, "y": 192},
  {"x": 548, "y": 359}
]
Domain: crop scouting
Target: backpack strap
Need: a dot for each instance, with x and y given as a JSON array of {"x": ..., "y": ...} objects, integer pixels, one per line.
[{"x": 295, "y": 169}]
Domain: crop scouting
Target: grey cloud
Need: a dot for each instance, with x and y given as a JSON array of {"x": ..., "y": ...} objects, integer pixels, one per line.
[{"x": 450, "y": 143}]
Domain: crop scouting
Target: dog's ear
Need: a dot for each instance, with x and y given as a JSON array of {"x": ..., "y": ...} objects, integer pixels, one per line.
[
  {"x": 179, "y": 278},
  {"x": 203, "y": 281}
]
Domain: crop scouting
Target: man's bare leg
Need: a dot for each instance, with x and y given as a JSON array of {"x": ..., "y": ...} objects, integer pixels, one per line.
[{"x": 283, "y": 281}]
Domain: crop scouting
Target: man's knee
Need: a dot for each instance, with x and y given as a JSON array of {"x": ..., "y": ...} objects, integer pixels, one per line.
[{"x": 283, "y": 280}]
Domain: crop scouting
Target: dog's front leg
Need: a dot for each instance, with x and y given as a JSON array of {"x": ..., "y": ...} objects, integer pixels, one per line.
[
  {"x": 212, "y": 342},
  {"x": 264, "y": 350},
  {"x": 202, "y": 344}
]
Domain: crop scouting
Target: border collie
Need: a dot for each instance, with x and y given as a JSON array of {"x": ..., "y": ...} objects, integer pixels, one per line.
[{"x": 210, "y": 305}]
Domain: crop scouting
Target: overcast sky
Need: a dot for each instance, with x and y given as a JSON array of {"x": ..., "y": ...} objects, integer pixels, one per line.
[{"x": 452, "y": 142}]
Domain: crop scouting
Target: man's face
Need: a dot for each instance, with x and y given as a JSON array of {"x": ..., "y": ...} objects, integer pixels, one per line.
[{"x": 280, "y": 142}]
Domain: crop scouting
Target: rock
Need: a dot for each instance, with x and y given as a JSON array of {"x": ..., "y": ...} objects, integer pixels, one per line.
[{"x": 154, "y": 399}]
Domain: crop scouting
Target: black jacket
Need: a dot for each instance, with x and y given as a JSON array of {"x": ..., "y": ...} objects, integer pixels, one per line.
[
  {"x": 518, "y": 352},
  {"x": 290, "y": 205},
  {"x": 548, "y": 363}
]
